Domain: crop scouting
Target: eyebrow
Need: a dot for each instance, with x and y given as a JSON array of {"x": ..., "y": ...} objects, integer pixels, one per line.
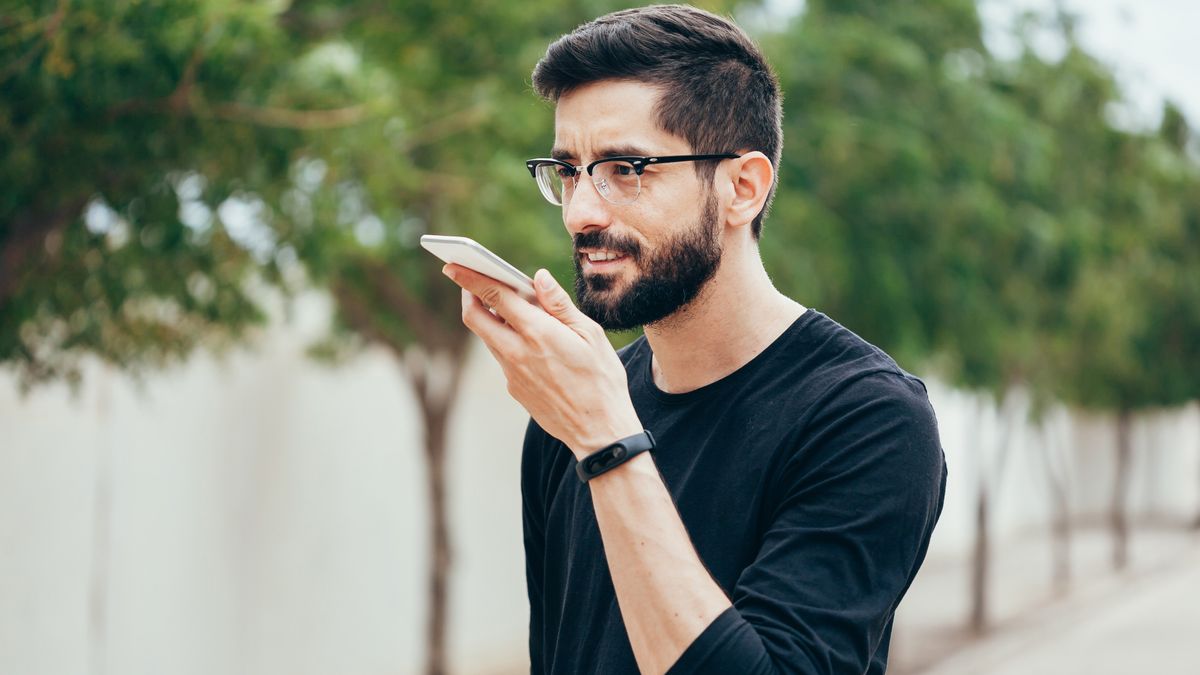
[{"x": 610, "y": 151}]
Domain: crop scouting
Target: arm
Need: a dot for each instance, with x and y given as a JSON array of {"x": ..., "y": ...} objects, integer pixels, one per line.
[
  {"x": 562, "y": 369},
  {"x": 854, "y": 511},
  {"x": 854, "y": 507},
  {"x": 848, "y": 533},
  {"x": 666, "y": 595}
]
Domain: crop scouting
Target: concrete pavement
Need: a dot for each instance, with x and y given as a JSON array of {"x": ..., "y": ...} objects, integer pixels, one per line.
[{"x": 1144, "y": 621}]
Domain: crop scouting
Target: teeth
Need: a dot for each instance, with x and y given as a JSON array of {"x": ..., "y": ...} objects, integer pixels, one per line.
[{"x": 607, "y": 255}]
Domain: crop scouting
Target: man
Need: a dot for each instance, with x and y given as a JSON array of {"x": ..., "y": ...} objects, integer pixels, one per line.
[{"x": 795, "y": 474}]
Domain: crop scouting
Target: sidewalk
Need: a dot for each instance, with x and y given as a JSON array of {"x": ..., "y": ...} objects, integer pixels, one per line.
[{"x": 1146, "y": 619}]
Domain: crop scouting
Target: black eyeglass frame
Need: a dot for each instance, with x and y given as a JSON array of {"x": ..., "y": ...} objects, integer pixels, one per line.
[{"x": 639, "y": 164}]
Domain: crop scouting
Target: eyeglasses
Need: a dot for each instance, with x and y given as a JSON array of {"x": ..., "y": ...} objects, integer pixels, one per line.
[{"x": 617, "y": 179}]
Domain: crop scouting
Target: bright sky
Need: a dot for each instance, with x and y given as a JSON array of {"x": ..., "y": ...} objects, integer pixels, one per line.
[{"x": 1152, "y": 45}]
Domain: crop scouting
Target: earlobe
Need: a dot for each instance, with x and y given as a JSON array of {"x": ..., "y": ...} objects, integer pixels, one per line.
[{"x": 752, "y": 180}]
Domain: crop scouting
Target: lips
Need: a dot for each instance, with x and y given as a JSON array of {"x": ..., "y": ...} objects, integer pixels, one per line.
[
  {"x": 594, "y": 256},
  {"x": 601, "y": 260},
  {"x": 601, "y": 255}
]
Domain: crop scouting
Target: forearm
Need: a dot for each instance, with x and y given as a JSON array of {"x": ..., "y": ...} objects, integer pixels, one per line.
[{"x": 666, "y": 596}]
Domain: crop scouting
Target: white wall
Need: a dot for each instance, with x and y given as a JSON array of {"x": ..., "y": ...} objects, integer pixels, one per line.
[{"x": 267, "y": 513}]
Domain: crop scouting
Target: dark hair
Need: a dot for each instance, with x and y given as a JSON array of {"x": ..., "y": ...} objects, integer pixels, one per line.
[{"x": 719, "y": 94}]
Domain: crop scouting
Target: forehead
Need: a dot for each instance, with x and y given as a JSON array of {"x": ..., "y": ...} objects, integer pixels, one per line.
[{"x": 610, "y": 114}]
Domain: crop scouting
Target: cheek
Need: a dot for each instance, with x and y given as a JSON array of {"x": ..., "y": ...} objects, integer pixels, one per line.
[{"x": 652, "y": 219}]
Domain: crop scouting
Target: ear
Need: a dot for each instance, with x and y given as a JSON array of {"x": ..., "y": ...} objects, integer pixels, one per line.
[{"x": 752, "y": 176}]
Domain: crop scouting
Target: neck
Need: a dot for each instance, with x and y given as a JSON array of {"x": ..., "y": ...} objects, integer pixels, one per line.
[{"x": 737, "y": 315}]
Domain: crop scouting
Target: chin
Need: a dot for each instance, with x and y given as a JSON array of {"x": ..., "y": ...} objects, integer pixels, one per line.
[{"x": 602, "y": 283}]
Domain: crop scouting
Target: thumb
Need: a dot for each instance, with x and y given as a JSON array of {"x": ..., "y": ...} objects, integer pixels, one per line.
[{"x": 555, "y": 300}]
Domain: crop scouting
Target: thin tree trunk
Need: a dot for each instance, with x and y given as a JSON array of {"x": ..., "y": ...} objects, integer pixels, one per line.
[
  {"x": 1118, "y": 517},
  {"x": 1196, "y": 523},
  {"x": 436, "y": 380},
  {"x": 434, "y": 367},
  {"x": 1060, "y": 526},
  {"x": 980, "y": 568},
  {"x": 440, "y": 553},
  {"x": 25, "y": 240},
  {"x": 1062, "y": 546},
  {"x": 990, "y": 474},
  {"x": 980, "y": 551}
]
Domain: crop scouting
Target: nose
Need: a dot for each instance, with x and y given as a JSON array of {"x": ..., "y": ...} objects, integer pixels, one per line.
[{"x": 586, "y": 208}]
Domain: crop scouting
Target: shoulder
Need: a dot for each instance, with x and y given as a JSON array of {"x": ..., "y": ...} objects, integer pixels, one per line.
[
  {"x": 864, "y": 408},
  {"x": 848, "y": 369},
  {"x": 890, "y": 398},
  {"x": 818, "y": 363}
]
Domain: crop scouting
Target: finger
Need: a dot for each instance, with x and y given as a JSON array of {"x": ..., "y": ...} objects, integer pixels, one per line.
[
  {"x": 503, "y": 300},
  {"x": 558, "y": 304},
  {"x": 498, "y": 336}
]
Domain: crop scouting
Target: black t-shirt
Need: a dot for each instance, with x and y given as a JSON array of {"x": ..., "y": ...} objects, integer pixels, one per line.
[{"x": 809, "y": 481}]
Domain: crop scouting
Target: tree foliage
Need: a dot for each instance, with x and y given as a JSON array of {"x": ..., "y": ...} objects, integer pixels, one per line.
[
  {"x": 124, "y": 127},
  {"x": 984, "y": 218}
]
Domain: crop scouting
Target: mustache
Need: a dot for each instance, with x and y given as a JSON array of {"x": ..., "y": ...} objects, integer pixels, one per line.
[{"x": 604, "y": 239}]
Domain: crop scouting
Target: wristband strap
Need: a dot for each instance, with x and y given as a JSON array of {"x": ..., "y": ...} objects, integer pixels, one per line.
[{"x": 612, "y": 456}]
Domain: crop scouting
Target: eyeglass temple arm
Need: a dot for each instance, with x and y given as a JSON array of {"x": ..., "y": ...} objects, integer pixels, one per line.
[{"x": 689, "y": 158}]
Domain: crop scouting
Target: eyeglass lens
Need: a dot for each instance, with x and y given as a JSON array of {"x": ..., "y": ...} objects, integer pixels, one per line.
[{"x": 616, "y": 181}]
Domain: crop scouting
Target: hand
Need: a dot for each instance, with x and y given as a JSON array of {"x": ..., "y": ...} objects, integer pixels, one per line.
[{"x": 559, "y": 364}]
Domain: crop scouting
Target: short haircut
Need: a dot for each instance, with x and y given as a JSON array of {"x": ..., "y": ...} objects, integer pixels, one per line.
[{"x": 718, "y": 92}]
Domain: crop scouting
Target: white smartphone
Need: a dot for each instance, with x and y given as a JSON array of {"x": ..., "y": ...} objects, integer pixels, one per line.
[{"x": 471, "y": 254}]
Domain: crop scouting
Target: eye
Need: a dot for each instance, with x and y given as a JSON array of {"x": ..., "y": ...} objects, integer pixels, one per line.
[
  {"x": 565, "y": 171},
  {"x": 623, "y": 169}
]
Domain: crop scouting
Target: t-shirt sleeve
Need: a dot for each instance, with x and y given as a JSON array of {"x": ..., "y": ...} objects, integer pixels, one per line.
[
  {"x": 534, "y": 528},
  {"x": 850, "y": 520}
]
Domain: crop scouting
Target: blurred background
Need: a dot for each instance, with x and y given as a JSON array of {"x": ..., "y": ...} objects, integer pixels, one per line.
[{"x": 242, "y": 429}]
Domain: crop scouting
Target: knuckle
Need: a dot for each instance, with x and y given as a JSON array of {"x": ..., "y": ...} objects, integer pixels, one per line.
[
  {"x": 491, "y": 296},
  {"x": 536, "y": 334},
  {"x": 596, "y": 332}
]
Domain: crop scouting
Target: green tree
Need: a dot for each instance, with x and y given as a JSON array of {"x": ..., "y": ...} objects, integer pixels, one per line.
[
  {"x": 975, "y": 217},
  {"x": 903, "y": 174},
  {"x": 162, "y": 159},
  {"x": 949, "y": 206},
  {"x": 150, "y": 115},
  {"x": 1133, "y": 315},
  {"x": 124, "y": 128}
]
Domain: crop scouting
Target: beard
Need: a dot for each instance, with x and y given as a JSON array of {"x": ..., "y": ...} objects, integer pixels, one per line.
[{"x": 671, "y": 276}]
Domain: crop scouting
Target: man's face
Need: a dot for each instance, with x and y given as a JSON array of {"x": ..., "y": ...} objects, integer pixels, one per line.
[
  {"x": 667, "y": 242},
  {"x": 667, "y": 277}
]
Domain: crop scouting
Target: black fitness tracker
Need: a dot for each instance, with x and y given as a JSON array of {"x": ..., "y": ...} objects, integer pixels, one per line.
[{"x": 612, "y": 456}]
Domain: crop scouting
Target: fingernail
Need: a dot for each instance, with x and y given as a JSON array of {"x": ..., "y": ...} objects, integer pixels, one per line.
[
  {"x": 544, "y": 280},
  {"x": 447, "y": 271}
]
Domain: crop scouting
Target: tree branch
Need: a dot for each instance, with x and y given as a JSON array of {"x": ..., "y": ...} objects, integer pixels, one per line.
[
  {"x": 430, "y": 332},
  {"x": 282, "y": 118},
  {"x": 445, "y": 125},
  {"x": 297, "y": 19},
  {"x": 27, "y": 233},
  {"x": 285, "y": 118},
  {"x": 355, "y": 304},
  {"x": 53, "y": 23},
  {"x": 181, "y": 99},
  {"x": 356, "y": 313}
]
